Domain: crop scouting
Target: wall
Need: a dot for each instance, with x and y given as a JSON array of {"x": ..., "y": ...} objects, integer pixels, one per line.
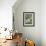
[
  {"x": 43, "y": 22},
  {"x": 33, "y": 33},
  {"x": 6, "y": 13}
]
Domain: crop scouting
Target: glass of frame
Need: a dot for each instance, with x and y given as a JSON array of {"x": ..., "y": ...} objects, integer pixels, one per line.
[{"x": 28, "y": 19}]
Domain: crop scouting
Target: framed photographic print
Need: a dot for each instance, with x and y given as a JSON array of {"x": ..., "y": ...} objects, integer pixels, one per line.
[{"x": 28, "y": 19}]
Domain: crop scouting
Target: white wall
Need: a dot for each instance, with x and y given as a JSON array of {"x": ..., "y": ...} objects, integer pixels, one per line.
[
  {"x": 43, "y": 22},
  {"x": 33, "y": 33},
  {"x": 6, "y": 13}
]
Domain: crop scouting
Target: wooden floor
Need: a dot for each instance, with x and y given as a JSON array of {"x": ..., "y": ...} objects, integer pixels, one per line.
[{"x": 9, "y": 43}]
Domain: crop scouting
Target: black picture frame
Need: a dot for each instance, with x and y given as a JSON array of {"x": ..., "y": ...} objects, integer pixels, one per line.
[{"x": 28, "y": 19}]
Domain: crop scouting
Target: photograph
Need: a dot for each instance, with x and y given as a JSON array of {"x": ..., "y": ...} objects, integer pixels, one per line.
[
  {"x": 22, "y": 22},
  {"x": 28, "y": 19}
]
